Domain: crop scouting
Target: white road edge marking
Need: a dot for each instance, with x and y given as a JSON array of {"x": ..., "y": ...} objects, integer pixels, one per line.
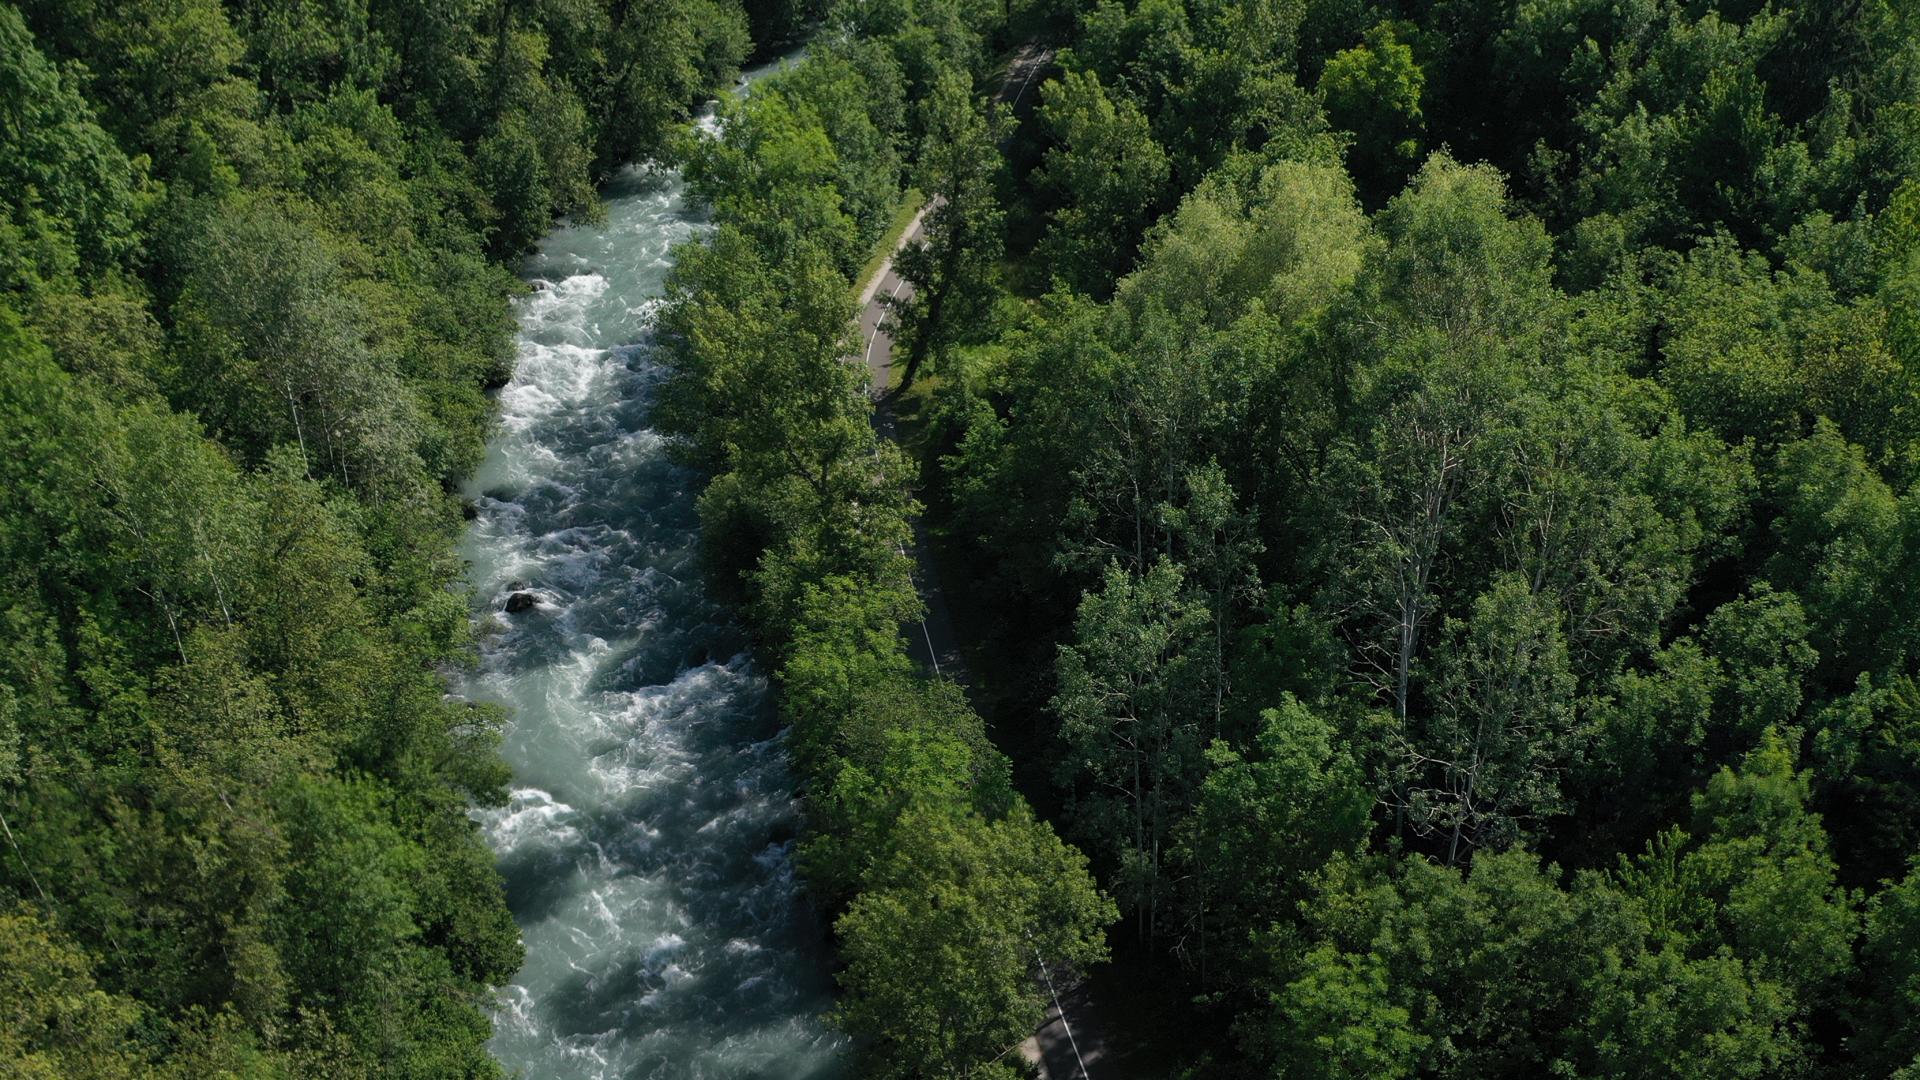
[{"x": 866, "y": 359}]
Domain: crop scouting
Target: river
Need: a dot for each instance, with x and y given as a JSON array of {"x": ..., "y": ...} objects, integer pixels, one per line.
[{"x": 647, "y": 846}]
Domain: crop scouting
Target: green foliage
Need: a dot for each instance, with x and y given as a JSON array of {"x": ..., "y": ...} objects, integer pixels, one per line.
[
  {"x": 1886, "y": 1035},
  {"x": 857, "y": 91},
  {"x": 279, "y": 354},
  {"x": 1373, "y": 90},
  {"x": 1843, "y": 550},
  {"x": 1460, "y": 260},
  {"x": 1484, "y": 762},
  {"x": 776, "y": 172},
  {"x": 1423, "y": 969},
  {"x": 655, "y": 60},
  {"x": 1567, "y": 492},
  {"x": 952, "y": 269},
  {"x": 1130, "y": 695},
  {"x": 1263, "y": 824},
  {"x": 234, "y": 660},
  {"x": 1354, "y": 564},
  {"x": 56, "y": 1022},
  {"x": 1294, "y": 241},
  {"x": 69, "y": 190},
  {"x": 1210, "y": 78},
  {"x": 1108, "y": 170},
  {"x": 941, "y": 949},
  {"x": 1762, "y": 858},
  {"x": 953, "y": 902},
  {"x": 1694, "y": 1017},
  {"x": 1701, "y": 957},
  {"x": 1865, "y": 747},
  {"x": 1759, "y": 355},
  {"x": 249, "y": 316},
  {"x": 1340, "y": 1023},
  {"x": 903, "y": 744}
]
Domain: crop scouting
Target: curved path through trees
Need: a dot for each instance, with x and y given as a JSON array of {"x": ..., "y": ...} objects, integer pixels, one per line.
[
  {"x": 1073, "y": 1042},
  {"x": 935, "y": 646}
]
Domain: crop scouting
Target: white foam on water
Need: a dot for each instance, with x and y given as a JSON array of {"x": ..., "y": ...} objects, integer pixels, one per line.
[
  {"x": 644, "y": 843},
  {"x": 531, "y": 817}
]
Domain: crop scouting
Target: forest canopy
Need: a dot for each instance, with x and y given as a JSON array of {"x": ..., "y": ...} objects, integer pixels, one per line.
[
  {"x": 255, "y": 266},
  {"x": 1436, "y": 500},
  {"x": 1426, "y": 489}
]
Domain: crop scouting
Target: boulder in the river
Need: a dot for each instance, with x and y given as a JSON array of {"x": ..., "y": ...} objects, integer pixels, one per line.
[{"x": 521, "y": 601}]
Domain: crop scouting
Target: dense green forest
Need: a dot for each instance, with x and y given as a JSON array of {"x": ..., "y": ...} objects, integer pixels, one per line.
[
  {"x": 254, "y": 279},
  {"x": 1433, "y": 492},
  {"x": 1428, "y": 489}
]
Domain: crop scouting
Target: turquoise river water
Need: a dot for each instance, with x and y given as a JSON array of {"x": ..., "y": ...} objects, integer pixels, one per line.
[{"x": 647, "y": 846}]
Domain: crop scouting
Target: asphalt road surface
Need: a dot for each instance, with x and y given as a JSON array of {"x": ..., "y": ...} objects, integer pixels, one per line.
[{"x": 1022, "y": 74}]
